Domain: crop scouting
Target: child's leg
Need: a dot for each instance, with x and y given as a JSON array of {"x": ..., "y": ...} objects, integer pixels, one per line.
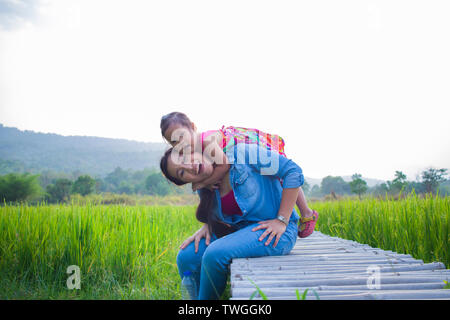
[
  {"x": 305, "y": 211},
  {"x": 308, "y": 217}
]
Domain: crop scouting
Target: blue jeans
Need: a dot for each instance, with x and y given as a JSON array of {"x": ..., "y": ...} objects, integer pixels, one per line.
[{"x": 210, "y": 264}]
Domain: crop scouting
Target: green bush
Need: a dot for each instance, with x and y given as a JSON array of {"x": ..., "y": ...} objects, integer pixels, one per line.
[{"x": 19, "y": 187}]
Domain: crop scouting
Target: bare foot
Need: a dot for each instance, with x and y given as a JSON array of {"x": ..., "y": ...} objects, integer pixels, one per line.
[{"x": 307, "y": 214}]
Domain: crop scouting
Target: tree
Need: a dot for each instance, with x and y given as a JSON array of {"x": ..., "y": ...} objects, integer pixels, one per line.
[
  {"x": 418, "y": 187},
  {"x": 337, "y": 185},
  {"x": 398, "y": 184},
  {"x": 99, "y": 185},
  {"x": 84, "y": 185},
  {"x": 431, "y": 179},
  {"x": 358, "y": 185},
  {"x": 315, "y": 191},
  {"x": 19, "y": 187},
  {"x": 157, "y": 184},
  {"x": 125, "y": 187},
  {"x": 400, "y": 178},
  {"x": 380, "y": 189},
  {"x": 306, "y": 187},
  {"x": 60, "y": 191},
  {"x": 117, "y": 176}
]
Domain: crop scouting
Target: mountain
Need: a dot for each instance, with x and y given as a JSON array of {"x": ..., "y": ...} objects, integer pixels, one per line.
[
  {"x": 34, "y": 152},
  {"x": 370, "y": 182},
  {"x": 313, "y": 181}
]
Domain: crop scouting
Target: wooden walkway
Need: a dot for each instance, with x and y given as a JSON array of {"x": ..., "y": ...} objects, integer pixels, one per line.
[{"x": 338, "y": 269}]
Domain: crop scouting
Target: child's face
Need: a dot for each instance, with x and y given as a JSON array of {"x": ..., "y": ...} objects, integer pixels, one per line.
[{"x": 177, "y": 133}]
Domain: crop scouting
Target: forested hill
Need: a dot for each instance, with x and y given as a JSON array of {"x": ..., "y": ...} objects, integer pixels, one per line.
[
  {"x": 29, "y": 151},
  {"x": 32, "y": 151}
]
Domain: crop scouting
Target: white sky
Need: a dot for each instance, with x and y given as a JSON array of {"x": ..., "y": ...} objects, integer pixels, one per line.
[{"x": 352, "y": 86}]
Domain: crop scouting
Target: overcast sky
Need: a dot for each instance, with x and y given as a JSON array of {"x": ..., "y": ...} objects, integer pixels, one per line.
[{"x": 352, "y": 86}]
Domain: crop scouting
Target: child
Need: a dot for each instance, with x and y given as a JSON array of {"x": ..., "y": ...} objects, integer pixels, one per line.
[{"x": 176, "y": 128}]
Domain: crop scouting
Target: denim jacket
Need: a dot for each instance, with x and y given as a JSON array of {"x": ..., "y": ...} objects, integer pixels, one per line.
[{"x": 254, "y": 178}]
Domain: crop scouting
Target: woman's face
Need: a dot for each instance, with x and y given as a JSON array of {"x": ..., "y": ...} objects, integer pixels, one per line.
[{"x": 193, "y": 167}]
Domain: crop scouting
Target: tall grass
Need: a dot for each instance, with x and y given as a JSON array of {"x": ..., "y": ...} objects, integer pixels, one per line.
[
  {"x": 129, "y": 252},
  {"x": 413, "y": 225},
  {"x": 135, "y": 199},
  {"x": 123, "y": 252}
]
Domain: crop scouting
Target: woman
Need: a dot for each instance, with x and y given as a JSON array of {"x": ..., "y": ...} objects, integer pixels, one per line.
[{"x": 249, "y": 215}]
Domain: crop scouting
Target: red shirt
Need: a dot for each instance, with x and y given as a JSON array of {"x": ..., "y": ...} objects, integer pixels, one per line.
[{"x": 229, "y": 204}]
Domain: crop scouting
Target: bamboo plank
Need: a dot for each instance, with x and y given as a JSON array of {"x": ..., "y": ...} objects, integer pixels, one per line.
[
  {"x": 443, "y": 294},
  {"x": 434, "y": 266},
  {"x": 334, "y": 281},
  {"x": 245, "y": 293},
  {"x": 337, "y": 269}
]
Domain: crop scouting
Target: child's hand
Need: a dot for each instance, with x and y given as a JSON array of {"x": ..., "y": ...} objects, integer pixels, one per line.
[
  {"x": 216, "y": 185},
  {"x": 213, "y": 186},
  {"x": 197, "y": 185}
]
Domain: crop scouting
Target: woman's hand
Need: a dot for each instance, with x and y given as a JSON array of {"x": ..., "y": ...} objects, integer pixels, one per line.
[
  {"x": 203, "y": 232},
  {"x": 199, "y": 185},
  {"x": 274, "y": 228}
]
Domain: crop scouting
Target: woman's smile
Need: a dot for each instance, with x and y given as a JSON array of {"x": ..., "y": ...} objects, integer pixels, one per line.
[{"x": 190, "y": 169}]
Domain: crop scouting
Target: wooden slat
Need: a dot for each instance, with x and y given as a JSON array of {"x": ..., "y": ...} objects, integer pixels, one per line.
[
  {"x": 287, "y": 277},
  {"x": 443, "y": 294},
  {"x": 357, "y": 280},
  {"x": 337, "y": 269},
  {"x": 374, "y": 294},
  {"x": 433, "y": 267},
  {"x": 245, "y": 293}
]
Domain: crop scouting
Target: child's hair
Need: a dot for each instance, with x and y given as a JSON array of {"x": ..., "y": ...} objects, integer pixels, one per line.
[{"x": 172, "y": 118}]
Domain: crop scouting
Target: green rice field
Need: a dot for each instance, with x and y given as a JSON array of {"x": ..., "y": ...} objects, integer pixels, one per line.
[
  {"x": 413, "y": 225},
  {"x": 129, "y": 252},
  {"x": 123, "y": 252}
]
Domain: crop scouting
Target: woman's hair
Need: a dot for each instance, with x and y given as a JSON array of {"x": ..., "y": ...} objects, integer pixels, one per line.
[
  {"x": 164, "y": 170},
  {"x": 174, "y": 118},
  {"x": 204, "y": 211}
]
